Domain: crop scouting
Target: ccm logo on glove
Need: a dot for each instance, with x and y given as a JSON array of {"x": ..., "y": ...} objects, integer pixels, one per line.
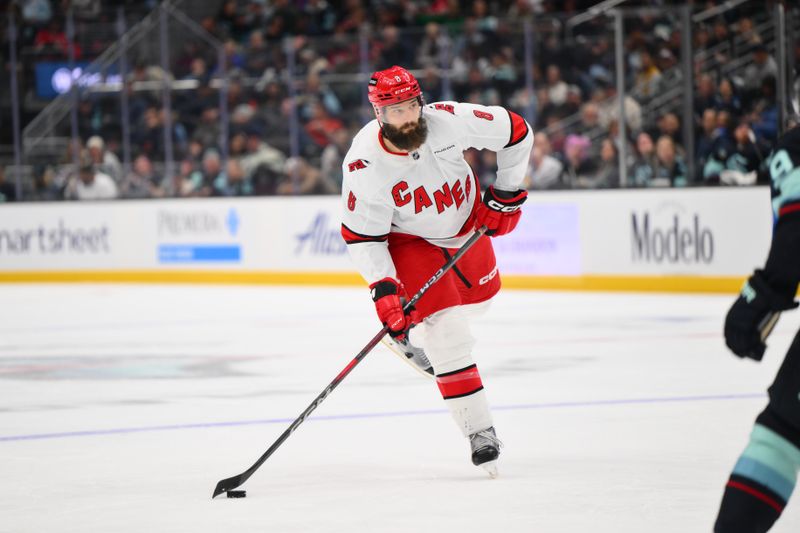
[{"x": 500, "y": 210}]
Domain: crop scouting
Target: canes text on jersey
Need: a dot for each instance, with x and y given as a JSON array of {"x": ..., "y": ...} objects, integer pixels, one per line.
[{"x": 442, "y": 198}]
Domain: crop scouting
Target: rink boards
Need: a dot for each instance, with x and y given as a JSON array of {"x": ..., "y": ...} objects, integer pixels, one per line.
[{"x": 663, "y": 240}]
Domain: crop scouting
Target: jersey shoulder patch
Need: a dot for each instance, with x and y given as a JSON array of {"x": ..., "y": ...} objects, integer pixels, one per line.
[
  {"x": 357, "y": 164},
  {"x": 449, "y": 108}
]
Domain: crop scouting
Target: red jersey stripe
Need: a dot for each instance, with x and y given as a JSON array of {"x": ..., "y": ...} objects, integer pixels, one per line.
[
  {"x": 519, "y": 129},
  {"x": 351, "y": 237},
  {"x": 785, "y": 210},
  {"x": 756, "y": 494},
  {"x": 460, "y": 383}
]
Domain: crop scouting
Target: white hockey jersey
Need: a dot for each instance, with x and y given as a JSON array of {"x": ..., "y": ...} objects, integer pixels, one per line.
[{"x": 431, "y": 192}]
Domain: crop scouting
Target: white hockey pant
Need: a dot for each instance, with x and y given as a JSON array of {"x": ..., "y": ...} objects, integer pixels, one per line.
[{"x": 448, "y": 343}]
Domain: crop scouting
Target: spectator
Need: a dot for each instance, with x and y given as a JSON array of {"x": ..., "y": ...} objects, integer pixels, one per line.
[
  {"x": 432, "y": 46},
  {"x": 727, "y": 99},
  {"x": 233, "y": 182},
  {"x": 643, "y": 169},
  {"x": 763, "y": 65},
  {"x": 704, "y": 97},
  {"x": 747, "y": 32},
  {"x": 556, "y": 87},
  {"x": 670, "y": 125},
  {"x": 333, "y": 155},
  {"x": 431, "y": 84},
  {"x": 764, "y": 116},
  {"x": 707, "y": 136},
  {"x": 504, "y": 75},
  {"x": 256, "y": 55},
  {"x": 648, "y": 78},
  {"x": 207, "y": 131},
  {"x": 577, "y": 163},
  {"x": 260, "y": 155},
  {"x": 8, "y": 190},
  {"x": 740, "y": 165},
  {"x": 544, "y": 170},
  {"x": 468, "y": 39},
  {"x": 393, "y": 51},
  {"x": 104, "y": 160},
  {"x": 545, "y": 109},
  {"x": 316, "y": 92},
  {"x": 185, "y": 182},
  {"x": 607, "y": 175},
  {"x": 142, "y": 181},
  {"x": 282, "y": 19},
  {"x": 590, "y": 117},
  {"x": 319, "y": 17},
  {"x": 304, "y": 179},
  {"x": 667, "y": 64},
  {"x": 52, "y": 41},
  {"x": 36, "y": 12},
  {"x": 91, "y": 184},
  {"x": 606, "y": 98},
  {"x": 669, "y": 170},
  {"x": 208, "y": 178}
]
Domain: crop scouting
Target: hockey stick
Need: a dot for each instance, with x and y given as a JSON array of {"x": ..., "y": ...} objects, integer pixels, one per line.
[{"x": 235, "y": 481}]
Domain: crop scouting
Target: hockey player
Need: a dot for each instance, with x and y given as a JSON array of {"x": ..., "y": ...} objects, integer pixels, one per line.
[
  {"x": 766, "y": 473},
  {"x": 409, "y": 201}
]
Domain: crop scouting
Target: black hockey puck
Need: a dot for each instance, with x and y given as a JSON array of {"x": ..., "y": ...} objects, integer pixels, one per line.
[{"x": 237, "y": 493}]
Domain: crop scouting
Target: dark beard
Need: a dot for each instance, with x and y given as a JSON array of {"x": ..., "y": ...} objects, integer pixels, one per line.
[{"x": 406, "y": 139}]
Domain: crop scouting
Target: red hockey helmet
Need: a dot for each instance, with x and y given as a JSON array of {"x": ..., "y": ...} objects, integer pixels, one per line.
[{"x": 391, "y": 86}]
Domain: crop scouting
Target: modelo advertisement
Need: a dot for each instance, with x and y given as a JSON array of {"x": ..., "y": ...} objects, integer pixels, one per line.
[{"x": 711, "y": 231}]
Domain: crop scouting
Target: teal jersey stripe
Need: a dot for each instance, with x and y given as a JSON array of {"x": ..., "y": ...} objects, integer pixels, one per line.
[
  {"x": 752, "y": 469},
  {"x": 771, "y": 460},
  {"x": 765, "y": 441},
  {"x": 785, "y": 180}
]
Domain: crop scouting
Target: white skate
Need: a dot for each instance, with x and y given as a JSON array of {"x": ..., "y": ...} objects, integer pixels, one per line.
[{"x": 485, "y": 450}]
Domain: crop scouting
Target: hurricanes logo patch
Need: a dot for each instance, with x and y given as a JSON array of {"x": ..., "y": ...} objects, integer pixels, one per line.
[
  {"x": 482, "y": 114},
  {"x": 351, "y": 201},
  {"x": 358, "y": 164}
]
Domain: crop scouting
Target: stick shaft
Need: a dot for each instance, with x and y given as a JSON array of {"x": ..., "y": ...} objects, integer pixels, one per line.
[{"x": 233, "y": 482}]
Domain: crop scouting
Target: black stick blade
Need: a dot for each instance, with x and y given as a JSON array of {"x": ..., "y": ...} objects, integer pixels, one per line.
[{"x": 227, "y": 484}]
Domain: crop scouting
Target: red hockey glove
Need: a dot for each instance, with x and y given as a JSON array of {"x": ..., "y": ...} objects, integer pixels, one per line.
[
  {"x": 500, "y": 210},
  {"x": 389, "y": 296}
]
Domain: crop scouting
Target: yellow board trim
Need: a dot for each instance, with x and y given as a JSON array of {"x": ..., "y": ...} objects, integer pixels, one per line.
[{"x": 717, "y": 284}]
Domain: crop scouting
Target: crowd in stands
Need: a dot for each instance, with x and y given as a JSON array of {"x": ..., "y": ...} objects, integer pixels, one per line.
[{"x": 466, "y": 51}]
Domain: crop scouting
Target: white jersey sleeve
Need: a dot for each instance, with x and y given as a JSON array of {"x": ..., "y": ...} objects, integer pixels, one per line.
[
  {"x": 502, "y": 131},
  {"x": 366, "y": 221}
]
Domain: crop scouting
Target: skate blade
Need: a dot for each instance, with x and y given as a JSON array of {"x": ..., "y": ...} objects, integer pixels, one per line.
[
  {"x": 393, "y": 348},
  {"x": 491, "y": 468}
]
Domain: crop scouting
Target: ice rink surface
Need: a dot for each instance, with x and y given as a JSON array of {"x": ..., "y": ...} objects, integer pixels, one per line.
[{"x": 122, "y": 406}]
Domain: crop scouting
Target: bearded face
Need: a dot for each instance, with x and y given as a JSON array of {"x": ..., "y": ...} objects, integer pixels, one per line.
[{"x": 409, "y": 136}]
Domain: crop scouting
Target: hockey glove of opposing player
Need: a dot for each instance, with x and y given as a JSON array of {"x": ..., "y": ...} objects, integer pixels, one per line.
[
  {"x": 390, "y": 296},
  {"x": 753, "y": 315},
  {"x": 500, "y": 210}
]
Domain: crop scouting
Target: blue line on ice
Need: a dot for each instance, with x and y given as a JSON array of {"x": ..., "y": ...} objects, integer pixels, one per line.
[{"x": 519, "y": 407}]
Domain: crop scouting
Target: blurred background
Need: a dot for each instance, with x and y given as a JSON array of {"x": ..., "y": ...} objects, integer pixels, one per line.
[{"x": 147, "y": 99}]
